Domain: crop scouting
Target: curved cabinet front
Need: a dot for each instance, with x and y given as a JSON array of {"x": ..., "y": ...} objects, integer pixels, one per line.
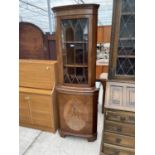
[{"x": 77, "y": 112}]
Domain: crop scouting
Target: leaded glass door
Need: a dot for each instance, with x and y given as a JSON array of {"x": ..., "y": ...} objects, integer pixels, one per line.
[
  {"x": 75, "y": 50},
  {"x": 123, "y": 50}
]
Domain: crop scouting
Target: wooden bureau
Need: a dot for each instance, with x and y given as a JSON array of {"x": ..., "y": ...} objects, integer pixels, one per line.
[
  {"x": 119, "y": 121},
  {"x": 37, "y": 96}
]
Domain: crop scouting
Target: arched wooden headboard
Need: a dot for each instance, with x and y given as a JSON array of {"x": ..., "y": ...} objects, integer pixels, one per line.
[{"x": 32, "y": 42}]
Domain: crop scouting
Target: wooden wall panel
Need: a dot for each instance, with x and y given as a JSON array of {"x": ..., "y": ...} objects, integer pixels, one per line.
[{"x": 103, "y": 34}]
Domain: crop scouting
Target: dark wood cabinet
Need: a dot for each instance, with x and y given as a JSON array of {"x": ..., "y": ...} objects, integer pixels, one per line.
[
  {"x": 76, "y": 35},
  {"x": 122, "y": 56}
]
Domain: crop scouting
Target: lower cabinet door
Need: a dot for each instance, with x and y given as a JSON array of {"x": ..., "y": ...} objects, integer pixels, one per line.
[
  {"x": 77, "y": 112},
  {"x": 37, "y": 109},
  {"x": 41, "y": 110}
]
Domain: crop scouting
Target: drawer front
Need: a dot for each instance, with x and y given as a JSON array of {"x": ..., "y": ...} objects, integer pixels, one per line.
[
  {"x": 116, "y": 150},
  {"x": 121, "y": 116},
  {"x": 37, "y": 75},
  {"x": 120, "y": 140},
  {"x": 120, "y": 128}
]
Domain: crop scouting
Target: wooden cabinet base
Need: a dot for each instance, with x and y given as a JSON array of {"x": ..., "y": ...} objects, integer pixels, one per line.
[
  {"x": 90, "y": 138},
  {"x": 37, "y": 109},
  {"x": 77, "y": 111}
]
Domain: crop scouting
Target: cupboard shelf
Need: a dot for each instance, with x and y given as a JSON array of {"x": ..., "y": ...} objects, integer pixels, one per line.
[
  {"x": 75, "y": 65},
  {"x": 74, "y": 42},
  {"x": 126, "y": 38},
  {"x": 127, "y": 13},
  {"x": 126, "y": 56}
]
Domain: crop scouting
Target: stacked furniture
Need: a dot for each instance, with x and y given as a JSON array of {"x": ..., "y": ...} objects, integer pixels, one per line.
[
  {"x": 37, "y": 98},
  {"x": 119, "y": 121},
  {"x": 77, "y": 97}
]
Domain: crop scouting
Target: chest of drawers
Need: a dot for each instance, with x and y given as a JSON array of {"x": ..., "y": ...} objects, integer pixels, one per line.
[{"x": 119, "y": 133}]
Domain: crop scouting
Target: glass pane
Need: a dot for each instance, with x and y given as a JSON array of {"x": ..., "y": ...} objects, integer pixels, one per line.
[
  {"x": 128, "y": 6},
  {"x": 126, "y": 47},
  {"x": 75, "y": 50},
  {"x": 76, "y": 75},
  {"x": 78, "y": 32},
  {"x": 125, "y": 66},
  {"x": 127, "y": 27}
]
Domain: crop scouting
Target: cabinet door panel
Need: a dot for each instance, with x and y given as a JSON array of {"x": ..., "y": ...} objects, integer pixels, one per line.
[
  {"x": 40, "y": 103},
  {"x": 41, "y": 110}
]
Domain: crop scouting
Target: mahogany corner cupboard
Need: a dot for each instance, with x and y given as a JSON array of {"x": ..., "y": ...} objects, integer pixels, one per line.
[{"x": 76, "y": 35}]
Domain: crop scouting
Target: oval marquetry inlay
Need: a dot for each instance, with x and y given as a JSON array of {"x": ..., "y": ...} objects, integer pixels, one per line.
[{"x": 75, "y": 114}]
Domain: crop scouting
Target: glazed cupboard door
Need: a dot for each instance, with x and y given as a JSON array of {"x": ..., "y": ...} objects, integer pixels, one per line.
[
  {"x": 122, "y": 58},
  {"x": 74, "y": 36}
]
